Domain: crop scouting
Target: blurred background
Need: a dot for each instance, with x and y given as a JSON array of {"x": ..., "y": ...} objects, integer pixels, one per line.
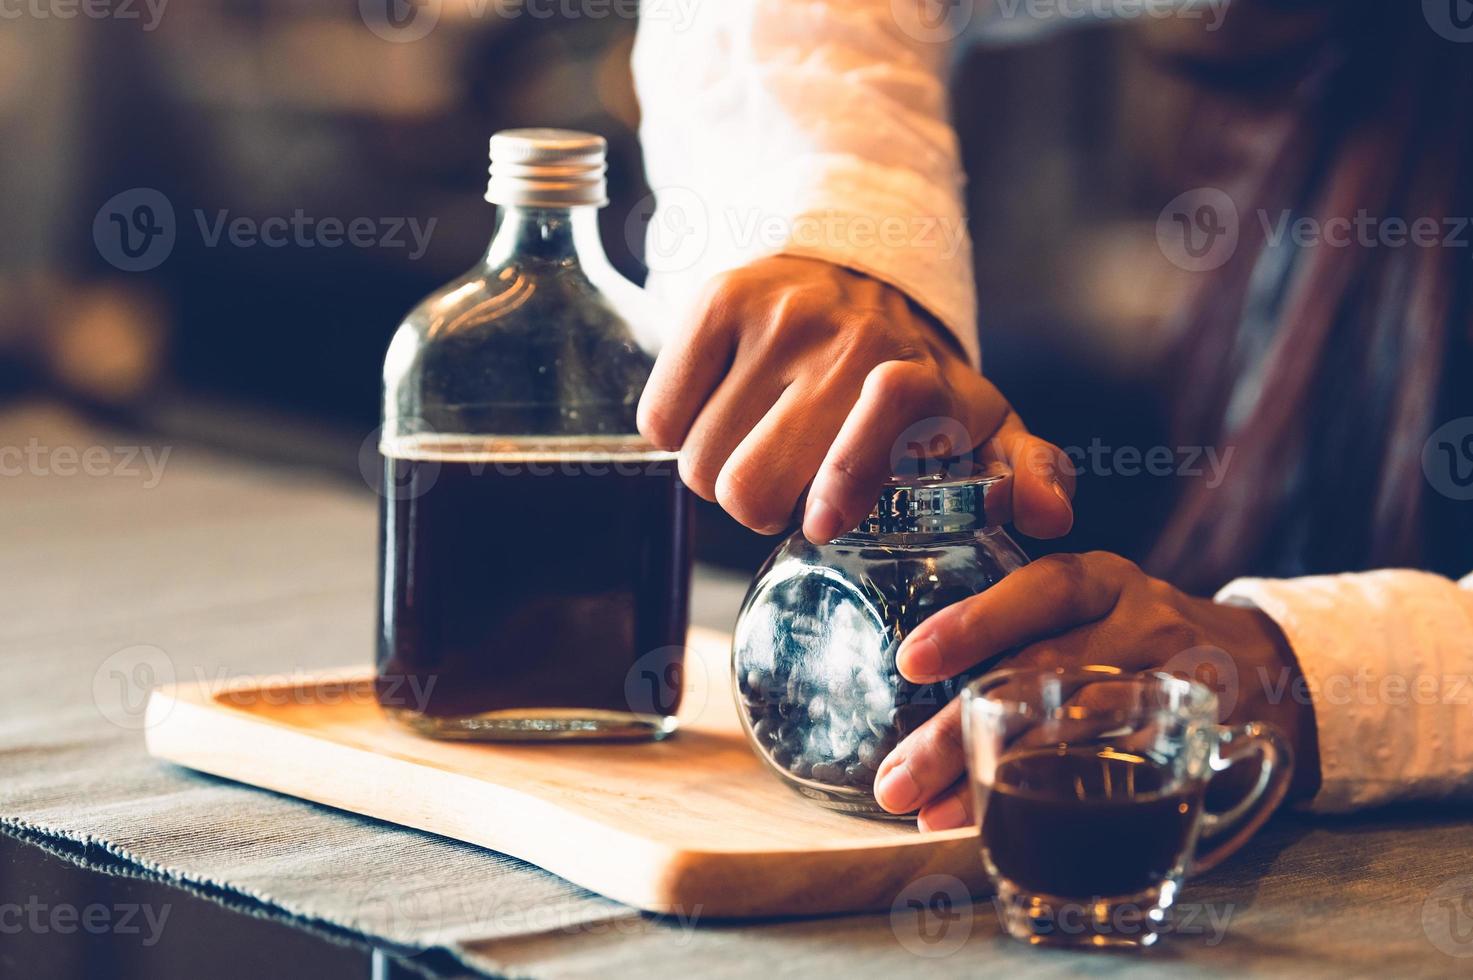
[{"x": 223, "y": 109}]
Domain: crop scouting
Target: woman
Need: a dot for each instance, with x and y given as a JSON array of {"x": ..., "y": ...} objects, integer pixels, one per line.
[{"x": 1337, "y": 368}]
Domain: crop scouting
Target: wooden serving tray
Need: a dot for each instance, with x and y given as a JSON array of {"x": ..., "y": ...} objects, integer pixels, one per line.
[{"x": 693, "y": 823}]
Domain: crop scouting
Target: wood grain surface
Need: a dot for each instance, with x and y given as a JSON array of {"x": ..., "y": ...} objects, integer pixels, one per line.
[{"x": 694, "y": 824}]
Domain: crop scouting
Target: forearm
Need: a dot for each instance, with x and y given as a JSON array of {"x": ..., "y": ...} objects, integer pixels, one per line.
[{"x": 816, "y": 129}]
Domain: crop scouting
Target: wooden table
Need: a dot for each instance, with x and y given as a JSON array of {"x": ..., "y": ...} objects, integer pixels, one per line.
[{"x": 1388, "y": 893}]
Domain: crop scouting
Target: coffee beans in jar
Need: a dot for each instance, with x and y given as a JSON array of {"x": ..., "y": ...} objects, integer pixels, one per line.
[{"x": 813, "y": 657}]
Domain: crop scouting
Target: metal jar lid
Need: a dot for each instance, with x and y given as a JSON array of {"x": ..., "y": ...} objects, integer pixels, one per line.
[
  {"x": 954, "y": 499},
  {"x": 547, "y": 168}
]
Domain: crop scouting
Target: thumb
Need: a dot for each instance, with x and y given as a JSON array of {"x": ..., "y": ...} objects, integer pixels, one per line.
[{"x": 1043, "y": 479}]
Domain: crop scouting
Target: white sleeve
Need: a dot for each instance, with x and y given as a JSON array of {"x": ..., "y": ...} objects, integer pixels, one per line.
[
  {"x": 1387, "y": 658},
  {"x": 802, "y": 127}
]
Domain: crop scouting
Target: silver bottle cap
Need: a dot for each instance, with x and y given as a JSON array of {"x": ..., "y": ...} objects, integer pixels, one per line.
[
  {"x": 954, "y": 499},
  {"x": 547, "y": 168}
]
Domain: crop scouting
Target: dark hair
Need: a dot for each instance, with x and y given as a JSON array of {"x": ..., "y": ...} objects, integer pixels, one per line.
[{"x": 1324, "y": 369}]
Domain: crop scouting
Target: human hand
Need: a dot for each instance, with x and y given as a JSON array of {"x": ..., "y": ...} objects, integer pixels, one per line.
[
  {"x": 797, "y": 373},
  {"x": 1073, "y": 610}
]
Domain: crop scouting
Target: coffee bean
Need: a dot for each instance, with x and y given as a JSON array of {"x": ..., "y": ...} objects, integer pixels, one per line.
[
  {"x": 833, "y": 730},
  {"x": 909, "y": 717},
  {"x": 827, "y": 772}
]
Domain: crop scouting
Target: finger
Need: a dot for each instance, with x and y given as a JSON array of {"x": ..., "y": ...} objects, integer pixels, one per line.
[
  {"x": 1043, "y": 480},
  {"x": 1042, "y": 599},
  {"x": 926, "y": 763},
  {"x": 737, "y": 405},
  {"x": 685, "y": 374},
  {"x": 764, "y": 477},
  {"x": 949, "y": 811},
  {"x": 894, "y": 396},
  {"x": 901, "y": 402}
]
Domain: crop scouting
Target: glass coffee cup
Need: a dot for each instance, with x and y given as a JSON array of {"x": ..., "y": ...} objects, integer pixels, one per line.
[{"x": 1090, "y": 788}]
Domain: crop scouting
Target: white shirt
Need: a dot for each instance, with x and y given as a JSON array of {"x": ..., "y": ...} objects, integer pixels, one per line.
[
  {"x": 801, "y": 128},
  {"x": 1387, "y": 658},
  {"x": 819, "y": 128}
]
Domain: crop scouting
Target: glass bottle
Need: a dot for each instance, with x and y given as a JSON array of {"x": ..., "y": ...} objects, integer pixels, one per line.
[
  {"x": 535, "y": 552},
  {"x": 813, "y": 655}
]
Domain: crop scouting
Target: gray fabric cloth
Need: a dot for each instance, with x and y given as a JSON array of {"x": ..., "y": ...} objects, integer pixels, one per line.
[
  {"x": 217, "y": 569},
  {"x": 1309, "y": 900}
]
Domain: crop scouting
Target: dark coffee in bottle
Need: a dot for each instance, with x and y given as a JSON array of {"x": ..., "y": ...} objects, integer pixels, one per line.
[
  {"x": 535, "y": 563},
  {"x": 1087, "y": 822},
  {"x": 533, "y": 587}
]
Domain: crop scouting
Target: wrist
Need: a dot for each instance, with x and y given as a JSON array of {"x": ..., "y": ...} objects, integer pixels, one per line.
[{"x": 1272, "y": 689}]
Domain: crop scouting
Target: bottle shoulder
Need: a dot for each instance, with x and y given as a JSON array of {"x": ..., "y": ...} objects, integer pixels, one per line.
[
  {"x": 518, "y": 347},
  {"x": 518, "y": 296},
  {"x": 513, "y": 313}
]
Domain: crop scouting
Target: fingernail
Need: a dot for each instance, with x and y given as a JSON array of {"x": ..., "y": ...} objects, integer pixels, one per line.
[
  {"x": 822, "y": 522},
  {"x": 945, "y": 816},
  {"x": 1063, "y": 495},
  {"x": 919, "y": 659},
  {"x": 897, "y": 791}
]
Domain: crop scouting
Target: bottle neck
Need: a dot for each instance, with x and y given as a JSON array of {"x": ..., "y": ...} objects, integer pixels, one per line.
[{"x": 566, "y": 236}]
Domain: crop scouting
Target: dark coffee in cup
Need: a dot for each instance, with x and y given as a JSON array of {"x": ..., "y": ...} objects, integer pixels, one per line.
[{"x": 1087, "y": 821}]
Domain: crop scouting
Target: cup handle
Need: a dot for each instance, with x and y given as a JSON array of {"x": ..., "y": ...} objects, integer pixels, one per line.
[{"x": 1234, "y": 744}]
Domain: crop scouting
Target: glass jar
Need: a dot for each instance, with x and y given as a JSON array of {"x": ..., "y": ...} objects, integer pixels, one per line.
[
  {"x": 813, "y": 655},
  {"x": 535, "y": 559}
]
